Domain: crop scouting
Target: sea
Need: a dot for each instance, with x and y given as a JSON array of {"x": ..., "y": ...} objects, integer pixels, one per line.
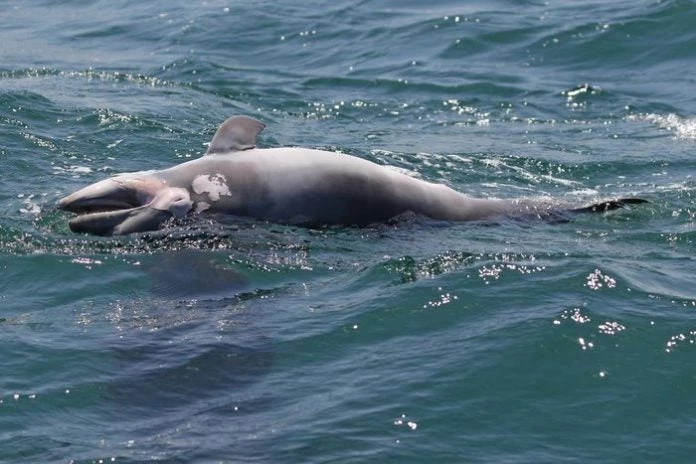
[{"x": 231, "y": 340}]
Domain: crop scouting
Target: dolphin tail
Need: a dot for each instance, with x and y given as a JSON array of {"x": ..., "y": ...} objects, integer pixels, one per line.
[
  {"x": 566, "y": 215},
  {"x": 610, "y": 205}
]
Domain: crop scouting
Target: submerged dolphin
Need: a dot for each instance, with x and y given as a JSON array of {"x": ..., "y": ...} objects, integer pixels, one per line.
[{"x": 288, "y": 185}]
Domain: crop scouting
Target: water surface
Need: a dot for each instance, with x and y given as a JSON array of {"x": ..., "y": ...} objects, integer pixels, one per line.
[{"x": 405, "y": 342}]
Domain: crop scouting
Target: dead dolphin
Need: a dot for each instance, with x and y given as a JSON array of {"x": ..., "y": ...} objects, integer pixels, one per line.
[{"x": 287, "y": 185}]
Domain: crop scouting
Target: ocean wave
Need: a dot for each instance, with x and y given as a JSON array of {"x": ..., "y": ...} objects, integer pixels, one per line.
[{"x": 681, "y": 127}]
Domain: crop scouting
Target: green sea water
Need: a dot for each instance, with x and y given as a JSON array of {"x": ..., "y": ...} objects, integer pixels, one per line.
[{"x": 230, "y": 340}]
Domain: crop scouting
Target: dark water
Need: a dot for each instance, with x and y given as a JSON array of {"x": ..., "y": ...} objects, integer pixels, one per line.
[{"x": 252, "y": 342}]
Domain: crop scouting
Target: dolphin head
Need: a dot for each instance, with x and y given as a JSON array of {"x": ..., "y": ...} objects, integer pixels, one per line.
[{"x": 124, "y": 204}]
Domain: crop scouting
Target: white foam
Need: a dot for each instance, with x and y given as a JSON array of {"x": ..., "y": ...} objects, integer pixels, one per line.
[
  {"x": 73, "y": 169},
  {"x": 30, "y": 207},
  {"x": 682, "y": 128}
]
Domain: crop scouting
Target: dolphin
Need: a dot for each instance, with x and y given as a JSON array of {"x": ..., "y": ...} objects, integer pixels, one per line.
[{"x": 288, "y": 185}]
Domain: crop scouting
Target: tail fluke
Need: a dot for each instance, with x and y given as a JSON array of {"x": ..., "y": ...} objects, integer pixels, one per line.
[{"x": 610, "y": 205}]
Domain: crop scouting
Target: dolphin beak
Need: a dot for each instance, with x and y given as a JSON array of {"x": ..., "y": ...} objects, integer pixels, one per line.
[
  {"x": 122, "y": 205},
  {"x": 104, "y": 195},
  {"x": 110, "y": 207},
  {"x": 120, "y": 222}
]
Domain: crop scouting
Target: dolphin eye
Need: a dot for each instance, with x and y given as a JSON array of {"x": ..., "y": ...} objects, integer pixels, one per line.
[{"x": 178, "y": 199}]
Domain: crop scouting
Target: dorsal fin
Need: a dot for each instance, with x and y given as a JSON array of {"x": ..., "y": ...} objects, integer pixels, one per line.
[{"x": 235, "y": 134}]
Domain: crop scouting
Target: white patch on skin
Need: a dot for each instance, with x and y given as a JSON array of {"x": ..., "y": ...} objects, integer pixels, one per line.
[
  {"x": 202, "y": 206},
  {"x": 215, "y": 185}
]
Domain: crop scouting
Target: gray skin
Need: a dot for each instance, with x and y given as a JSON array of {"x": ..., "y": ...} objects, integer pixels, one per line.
[{"x": 286, "y": 185}]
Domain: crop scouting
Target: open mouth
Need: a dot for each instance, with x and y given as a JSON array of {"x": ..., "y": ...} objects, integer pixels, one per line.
[
  {"x": 98, "y": 211},
  {"x": 102, "y": 219},
  {"x": 121, "y": 205},
  {"x": 94, "y": 207},
  {"x": 101, "y": 208},
  {"x": 114, "y": 220}
]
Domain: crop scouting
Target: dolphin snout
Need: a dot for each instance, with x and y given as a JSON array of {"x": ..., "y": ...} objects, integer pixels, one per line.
[
  {"x": 102, "y": 207},
  {"x": 124, "y": 205},
  {"x": 120, "y": 222},
  {"x": 105, "y": 195}
]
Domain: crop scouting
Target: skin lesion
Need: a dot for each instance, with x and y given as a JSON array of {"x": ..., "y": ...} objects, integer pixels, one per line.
[{"x": 214, "y": 185}]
